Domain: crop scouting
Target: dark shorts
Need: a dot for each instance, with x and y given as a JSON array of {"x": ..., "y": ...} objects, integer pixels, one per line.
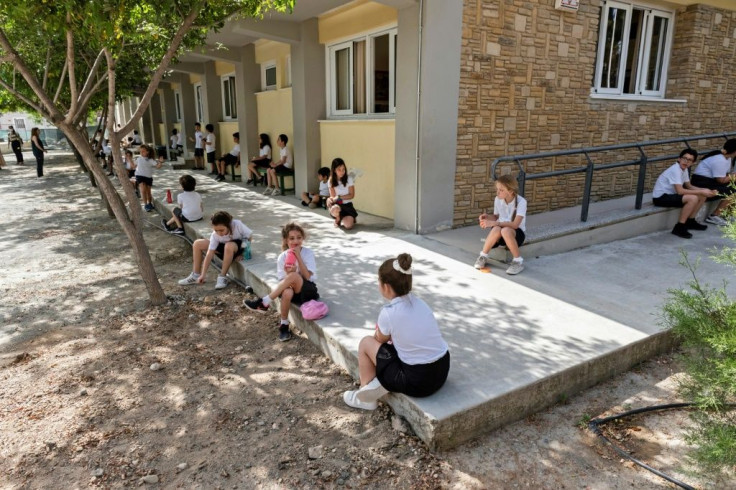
[
  {"x": 262, "y": 162},
  {"x": 182, "y": 218},
  {"x": 199, "y": 152},
  {"x": 347, "y": 209},
  {"x": 211, "y": 157},
  {"x": 668, "y": 201},
  {"x": 220, "y": 250},
  {"x": 229, "y": 159},
  {"x": 411, "y": 379},
  {"x": 283, "y": 170},
  {"x": 708, "y": 183},
  {"x": 131, "y": 173},
  {"x": 139, "y": 179},
  {"x": 520, "y": 237},
  {"x": 307, "y": 293}
]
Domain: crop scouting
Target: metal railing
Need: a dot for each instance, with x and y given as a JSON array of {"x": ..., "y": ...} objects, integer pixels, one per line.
[{"x": 591, "y": 167}]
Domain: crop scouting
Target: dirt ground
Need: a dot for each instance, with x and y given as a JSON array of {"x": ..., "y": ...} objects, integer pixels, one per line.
[{"x": 99, "y": 389}]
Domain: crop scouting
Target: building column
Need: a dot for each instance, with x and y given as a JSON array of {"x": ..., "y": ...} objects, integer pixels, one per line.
[
  {"x": 155, "y": 110},
  {"x": 308, "y": 103},
  {"x": 212, "y": 91},
  {"x": 426, "y": 114},
  {"x": 248, "y": 82}
]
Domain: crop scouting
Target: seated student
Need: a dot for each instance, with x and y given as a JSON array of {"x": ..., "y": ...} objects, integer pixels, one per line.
[
  {"x": 232, "y": 158},
  {"x": 136, "y": 138},
  {"x": 263, "y": 160},
  {"x": 319, "y": 199},
  {"x": 175, "y": 145},
  {"x": 674, "y": 190},
  {"x": 278, "y": 167},
  {"x": 406, "y": 354},
  {"x": 507, "y": 224},
  {"x": 714, "y": 172},
  {"x": 191, "y": 206}
]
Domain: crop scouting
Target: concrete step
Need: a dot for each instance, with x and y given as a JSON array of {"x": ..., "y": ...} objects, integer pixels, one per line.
[{"x": 517, "y": 343}]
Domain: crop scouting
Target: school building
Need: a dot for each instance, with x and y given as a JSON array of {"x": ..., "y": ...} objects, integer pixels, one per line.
[{"x": 421, "y": 95}]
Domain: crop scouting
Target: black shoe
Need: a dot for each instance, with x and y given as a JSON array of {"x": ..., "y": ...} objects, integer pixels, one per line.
[
  {"x": 284, "y": 333},
  {"x": 691, "y": 224},
  {"x": 256, "y": 305},
  {"x": 165, "y": 225},
  {"x": 681, "y": 230},
  {"x": 249, "y": 181},
  {"x": 305, "y": 203}
]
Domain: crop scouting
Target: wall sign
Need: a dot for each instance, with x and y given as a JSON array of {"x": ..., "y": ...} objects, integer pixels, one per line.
[{"x": 569, "y": 5}]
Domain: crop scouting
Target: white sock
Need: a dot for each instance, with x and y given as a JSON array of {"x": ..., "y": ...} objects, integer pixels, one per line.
[
  {"x": 284, "y": 322},
  {"x": 483, "y": 254},
  {"x": 266, "y": 300},
  {"x": 519, "y": 260},
  {"x": 195, "y": 274}
]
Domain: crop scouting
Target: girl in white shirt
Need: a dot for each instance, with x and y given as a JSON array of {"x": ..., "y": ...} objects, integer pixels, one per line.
[
  {"x": 407, "y": 353},
  {"x": 342, "y": 191},
  {"x": 507, "y": 224},
  {"x": 263, "y": 160},
  {"x": 228, "y": 240},
  {"x": 296, "y": 270}
]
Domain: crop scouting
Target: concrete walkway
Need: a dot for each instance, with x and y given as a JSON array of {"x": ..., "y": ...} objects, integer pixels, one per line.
[{"x": 518, "y": 343}]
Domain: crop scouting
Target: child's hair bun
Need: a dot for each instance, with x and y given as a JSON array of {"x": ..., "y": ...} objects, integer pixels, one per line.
[{"x": 404, "y": 261}]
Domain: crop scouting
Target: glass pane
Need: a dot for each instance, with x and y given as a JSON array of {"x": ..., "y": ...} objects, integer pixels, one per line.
[
  {"x": 177, "y": 99},
  {"x": 380, "y": 73},
  {"x": 199, "y": 103},
  {"x": 271, "y": 76},
  {"x": 342, "y": 79},
  {"x": 359, "y": 78},
  {"x": 233, "y": 100},
  {"x": 636, "y": 37},
  {"x": 656, "y": 54},
  {"x": 226, "y": 93},
  {"x": 613, "y": 47}
]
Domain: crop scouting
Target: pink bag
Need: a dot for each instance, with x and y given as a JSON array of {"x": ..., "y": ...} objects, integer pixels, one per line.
[{"x": 314, "y": 310}]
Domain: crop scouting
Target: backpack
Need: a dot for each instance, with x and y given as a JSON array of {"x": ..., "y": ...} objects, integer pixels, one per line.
[{"x": 314, "y": 310}]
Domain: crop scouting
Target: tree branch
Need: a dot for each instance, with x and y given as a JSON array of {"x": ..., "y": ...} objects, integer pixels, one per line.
[
  {"x": 22, "y": 97},
  {"x": 82, "y": 109},
  {"x": 86, "y": 90},
  {"x": 51, "y": 113},
  {"x": 46, "y": 68},
  {"x": 61, "y": 84},
  {"x": 70, "y": 61},
  {"x": 176, "y": 41}
]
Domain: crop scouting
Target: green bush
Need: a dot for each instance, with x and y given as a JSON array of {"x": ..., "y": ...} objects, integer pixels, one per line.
[{"x": 703, "y": 318}]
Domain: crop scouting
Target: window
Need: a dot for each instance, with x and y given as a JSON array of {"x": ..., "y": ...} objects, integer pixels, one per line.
[
  {"x": 633, "y": 50},
  {"x": 229, "y": 104},
  {"x": 177, "y": 104},
  {"x": 362, "y": 75},
  {"x": 268, "y": 76},
  {"x": 198, "y": 102}
]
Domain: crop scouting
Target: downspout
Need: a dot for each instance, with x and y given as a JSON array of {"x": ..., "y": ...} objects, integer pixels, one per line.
[{"x": 417, "y": 167}]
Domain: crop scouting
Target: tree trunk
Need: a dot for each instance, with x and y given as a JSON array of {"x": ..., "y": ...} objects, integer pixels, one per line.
[{"x": 132, "y": 225}]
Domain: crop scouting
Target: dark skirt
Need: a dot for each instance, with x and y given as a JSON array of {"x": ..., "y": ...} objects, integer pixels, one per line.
[{"x": 411, "y": 379}]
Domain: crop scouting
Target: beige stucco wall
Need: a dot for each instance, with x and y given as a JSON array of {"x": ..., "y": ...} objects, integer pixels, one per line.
[
  {"x": 277, "y": 52},
  {"x": 275, "y": 116},
  {"x": 525, "y": 82},
  {"x": 223, "y": 68},
  {"x": 194, "y": 78},
  {"x": 357, "y": 17},
  {"x": 367, "y": 145}
]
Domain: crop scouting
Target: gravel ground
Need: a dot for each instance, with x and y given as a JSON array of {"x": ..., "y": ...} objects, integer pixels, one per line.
[{"x": 99, "y": 389}]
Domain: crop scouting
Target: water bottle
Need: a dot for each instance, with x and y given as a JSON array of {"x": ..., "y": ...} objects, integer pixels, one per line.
[
  {"x": 290, "y": 259},
  {"x": 246, "y": 251},
  {"x": 168, "y": 196}
]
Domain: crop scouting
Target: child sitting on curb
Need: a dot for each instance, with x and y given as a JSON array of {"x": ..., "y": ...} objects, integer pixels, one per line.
[
  {"x": 319, "y": 199},
  {"x": 232, "y": 158},
  {"x": 296, "y": 271},
  {"x": 228, "y": 241},
  {"x": 407, "y": 353},
  {"x": 191, "y": 206}
]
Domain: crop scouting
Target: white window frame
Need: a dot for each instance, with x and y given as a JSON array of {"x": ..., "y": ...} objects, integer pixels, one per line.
[
  {"x": 288, "y": 71},
  {"x": 331, "y": 74},
  {"x": 268, "y": 65},
  {"x": 642, "y": 57},
  {"x": 227, "y": 82},
  {"x": 199, "y": 102},
  {"x": 177, "y": 104}
]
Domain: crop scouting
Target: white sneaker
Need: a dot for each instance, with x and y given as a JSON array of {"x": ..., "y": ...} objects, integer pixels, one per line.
[
  {"x": 222, "y": 282},
  {"x": 350, "y": 398},
  {"x": 515, "y": 268},
  {"x": 371, "y": 392},
  {"x": 480, "y": 262},
  {"x": 716, "y": 220},
  {"x": 268, "y": 191},
  {"x": 189, "y": 280},
  {"x": 276, "y": 191}
]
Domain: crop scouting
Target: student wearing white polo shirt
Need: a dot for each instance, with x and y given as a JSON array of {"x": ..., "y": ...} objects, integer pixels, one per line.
[
  {"x": 674, "y": 190},
  {"x": 281, "y": 166},
  {"x": 714, "y": 172},
  {"x": 407, "y": 353}
]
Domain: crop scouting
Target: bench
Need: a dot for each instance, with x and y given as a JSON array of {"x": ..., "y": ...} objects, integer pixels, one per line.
[{"x": 286, "y": 173}]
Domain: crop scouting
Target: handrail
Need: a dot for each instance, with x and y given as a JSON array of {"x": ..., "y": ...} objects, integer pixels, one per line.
[{"x": 590, "y": 168}]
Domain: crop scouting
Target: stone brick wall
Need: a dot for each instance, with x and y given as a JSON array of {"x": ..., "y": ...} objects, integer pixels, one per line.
[{"x": 525, "y": 81}]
